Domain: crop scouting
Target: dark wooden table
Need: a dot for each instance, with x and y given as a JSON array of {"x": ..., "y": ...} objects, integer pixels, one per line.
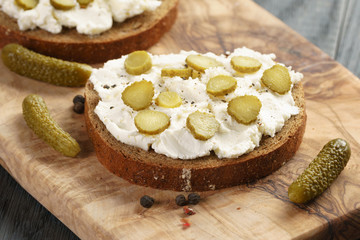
[{"x": 332, "y": 25}]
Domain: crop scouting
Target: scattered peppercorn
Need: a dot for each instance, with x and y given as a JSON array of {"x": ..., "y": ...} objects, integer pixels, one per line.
[
  {"x": 146, "y": 201},
  {"x": 79, "y": 107},
  {"x": 180, "y": 200},
  {"x": 106, "y": 86},
  {"x": 79, "y": 98},
  {"x": 193, "y": 198}
]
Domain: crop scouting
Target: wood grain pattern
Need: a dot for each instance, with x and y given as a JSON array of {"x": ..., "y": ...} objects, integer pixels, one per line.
[
  {"x": 15, "y": 212},
  {"x": 94, "y": 204}
]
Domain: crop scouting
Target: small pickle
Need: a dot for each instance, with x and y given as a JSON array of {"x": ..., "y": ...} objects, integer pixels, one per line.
[
  {"x": 27, "y": 4},
  {"x": 201, "y": 63},
  {"x": 277, "y": 78},
  {"x": 84, "y": 3},
  {"x": 174, "y": 72},
  {"x": 221, "y": 85},
  {"x": 244, "y": 109},
  {"x": 138, "y": 62},
  {"x": 151, "y": 122},
  {"x": 243, "y": 64},
  {"x": 202, "y": 125},
  {"x": 321, "y": 172},
  {"x": 38, "y": 118},
  {"x": 168, "y": 100},
  {"x": 63, "y": 4},
  {"x": 47, "y": 69},
  {"x": 138, "y": 95}
]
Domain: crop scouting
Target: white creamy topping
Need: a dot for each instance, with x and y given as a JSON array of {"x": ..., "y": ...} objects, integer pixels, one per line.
[
  {"x": 96, "y": 18},
  {"x": 231, "y": 140}
]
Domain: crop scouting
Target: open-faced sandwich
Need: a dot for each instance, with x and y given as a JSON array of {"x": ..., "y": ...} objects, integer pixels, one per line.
[
  {"x": 91, "y": 31},
  {"x": 195, "y": 122}
]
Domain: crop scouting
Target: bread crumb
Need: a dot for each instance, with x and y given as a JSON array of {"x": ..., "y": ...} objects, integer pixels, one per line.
[{"x": 186, "y": 175}]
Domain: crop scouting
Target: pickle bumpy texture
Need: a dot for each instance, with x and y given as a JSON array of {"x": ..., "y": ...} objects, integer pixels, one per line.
[
  {"x": 321, "y": 172},
  {"x": 43, "y": 68},
  {"x": 38, "y": 118}
]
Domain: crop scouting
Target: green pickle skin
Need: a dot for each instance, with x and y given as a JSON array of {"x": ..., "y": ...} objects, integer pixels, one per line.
[
  {"x": 321, "y": 172},
  {"x": 43, "y": 68},
  {"x": 38, "y": 118}
]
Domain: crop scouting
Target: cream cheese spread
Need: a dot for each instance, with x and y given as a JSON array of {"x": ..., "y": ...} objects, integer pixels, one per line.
[
  {"x": 231, "y": 140},
  {"x": 96, "y": 18}
]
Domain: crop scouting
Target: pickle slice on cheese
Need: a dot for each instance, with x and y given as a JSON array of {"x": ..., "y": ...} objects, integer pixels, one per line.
[
  {"x": 84, "y": 3},
  {"x": 38, "y": 118},
  {"x": 244, "y": 109},
  {"x": 176, "y": 72},
  {"x": 63, "y": 4},
  {"x": 277, "y": 78},
  {"x": 244, "y": 64},
  {"x": 138, "y": 62},
  {"x": 202, "y": 125},
  {"x": 27, "y": 4},
  {"x": 151, "y": 122},
  {"x": 221, "y": 85},
  {"x": 201, "y": 63},
  {"x": 43, "y": 68},
  {"x": 138, "y": 95},
  {"x": 168, "y": 100}
]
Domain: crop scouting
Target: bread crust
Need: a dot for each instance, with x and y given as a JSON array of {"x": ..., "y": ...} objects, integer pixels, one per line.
[
  {"x": 148, "y": 168},
  {"x": 139, "y": 32}
]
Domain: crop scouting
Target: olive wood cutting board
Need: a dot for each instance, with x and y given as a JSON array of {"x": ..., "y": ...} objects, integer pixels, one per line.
[{"x": 95, "y": 204}]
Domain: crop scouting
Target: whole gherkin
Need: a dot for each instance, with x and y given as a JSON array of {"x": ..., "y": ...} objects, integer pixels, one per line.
[
  {"x": 43, "y": 68},
  {"x": 38, "y": 118},
  {"x": 321, "y": 172}
]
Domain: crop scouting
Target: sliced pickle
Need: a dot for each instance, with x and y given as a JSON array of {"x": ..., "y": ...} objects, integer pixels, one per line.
[
  {"x": 138, "y": 95},
  {"x": 47, "y": 69},
  {"x": 277, "y": 78},
  {"x": 243, "y": 64},
  {"x": 174, "y": 72},
  {"x": 168, "y": 100},
  {"x": 201, "y": 63},
  {"x": 38, "y": 118},
  {"x": 63, "y": 4},
  {"x": 195, "y": 74},
  {"x": 151, "y": 122},
  {"x": 202, "y": 126},
  {"x": 221, "y": 85},
  {"x": 138, "y": 62},
  {"x": 27, "y": 4},
  {"x": 244, "y": 109},
  {"x": 84, "y": 3}
]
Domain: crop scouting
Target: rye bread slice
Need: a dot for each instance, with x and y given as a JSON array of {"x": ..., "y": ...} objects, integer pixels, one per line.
[
  {"x": 139, "y": 32},
  {"x": 148, "y": 168}
]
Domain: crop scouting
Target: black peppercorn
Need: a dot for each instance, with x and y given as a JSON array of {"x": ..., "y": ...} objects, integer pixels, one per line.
[
  {"x": 146, "y": 201},
  {"x": 180, "y": 200},
  {"x": 79, "y": 107},
  {"x": 79, "y": 98},
  {"x": 193, "y": 198}
]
